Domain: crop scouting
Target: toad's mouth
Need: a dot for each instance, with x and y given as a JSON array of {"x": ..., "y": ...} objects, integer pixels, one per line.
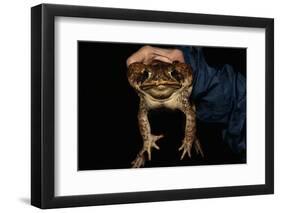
[
  {"x": 160, "y": 86},
  {"x": 161, "y": 91}
]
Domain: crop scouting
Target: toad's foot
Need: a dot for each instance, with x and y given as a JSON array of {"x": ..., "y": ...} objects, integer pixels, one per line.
[
  {"x": 187, "y": 146},
  {"x": 147, "y": 148},
  {"x": 151, "y": 143},
  {"x": 139, "y": 161},
  {"x": 198, "y": 148}
]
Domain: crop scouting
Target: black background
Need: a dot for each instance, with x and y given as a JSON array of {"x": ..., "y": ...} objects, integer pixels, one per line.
[{"x": 108, "y": 134}]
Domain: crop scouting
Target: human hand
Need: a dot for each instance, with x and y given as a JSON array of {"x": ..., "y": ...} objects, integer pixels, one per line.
[{"x": 147, "y": 54}]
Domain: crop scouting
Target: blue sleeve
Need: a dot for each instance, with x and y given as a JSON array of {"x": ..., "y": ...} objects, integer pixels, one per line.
[{"x": 220, "y": 97}]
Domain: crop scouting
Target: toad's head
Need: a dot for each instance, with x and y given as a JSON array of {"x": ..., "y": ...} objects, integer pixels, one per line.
[{"x": 158, "y": 79}]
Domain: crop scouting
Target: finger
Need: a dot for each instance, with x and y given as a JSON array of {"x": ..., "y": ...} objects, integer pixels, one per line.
[
  {"x": 189, "y": 152},
  {"x": 149, "y": 154},
  {"x": 183, "y": 154},
  {"x": 181, "y": 148},
  {"x": 163, "y": 58},
  {"x": 134, "y": 58},
  {"x": 156, "y": 146},
  {"x": 159, "y": 137},
  {"x": 143, "y": 55},
  {"x": 161, "y": 51},
  {"x": 142, "y": 163},
  {"x": 172, "y": 54}
]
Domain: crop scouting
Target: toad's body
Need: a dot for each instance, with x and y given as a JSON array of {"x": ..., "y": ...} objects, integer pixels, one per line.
[{"x": 161, "y": 84}]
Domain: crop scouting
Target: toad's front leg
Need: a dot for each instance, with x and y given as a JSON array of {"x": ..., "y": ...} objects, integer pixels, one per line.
[
  {"x": 149, "y": 140},
  {"x": 190, "y": 138}
]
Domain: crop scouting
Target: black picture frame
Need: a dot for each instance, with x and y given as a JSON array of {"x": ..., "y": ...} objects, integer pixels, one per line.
[{"x": 43, "y": 113}]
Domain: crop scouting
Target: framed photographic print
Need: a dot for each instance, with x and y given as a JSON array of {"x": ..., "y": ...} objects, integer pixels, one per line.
[{"x": 140, "y": 106}]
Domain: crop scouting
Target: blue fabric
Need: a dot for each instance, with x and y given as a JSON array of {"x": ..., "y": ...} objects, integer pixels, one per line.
[{"x": 220, "y": 97}]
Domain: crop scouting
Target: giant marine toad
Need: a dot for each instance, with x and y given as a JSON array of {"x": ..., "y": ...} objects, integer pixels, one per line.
[{"x": 161, "y": 84}]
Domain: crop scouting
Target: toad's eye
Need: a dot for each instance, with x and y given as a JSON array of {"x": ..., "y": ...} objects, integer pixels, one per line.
[
  {"x": 173, "y": 73},
  {"x": 144, "y": 76},
  {"x": 176, "y": 75}
]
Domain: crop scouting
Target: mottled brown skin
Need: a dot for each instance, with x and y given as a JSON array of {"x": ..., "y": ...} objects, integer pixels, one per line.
[{"x": 161, "y": 84}]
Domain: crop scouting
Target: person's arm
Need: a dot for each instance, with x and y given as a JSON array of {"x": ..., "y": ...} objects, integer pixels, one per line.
[{"x": 220, "y": 97}]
